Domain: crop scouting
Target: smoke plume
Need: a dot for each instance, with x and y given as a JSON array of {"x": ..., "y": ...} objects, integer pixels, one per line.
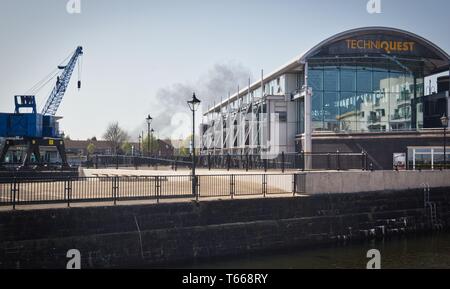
[{"x": 172, "y": 118}]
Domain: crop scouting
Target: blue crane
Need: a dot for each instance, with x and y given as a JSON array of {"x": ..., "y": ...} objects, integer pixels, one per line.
[
  {"x": 32, "y": 129},
  {"x": 57, "y": 94}
]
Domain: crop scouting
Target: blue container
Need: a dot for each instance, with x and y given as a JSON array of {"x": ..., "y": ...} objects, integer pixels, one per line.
[{"x": 25, "y": 125}]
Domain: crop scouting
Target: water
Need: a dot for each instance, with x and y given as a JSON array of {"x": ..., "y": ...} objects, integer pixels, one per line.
[{"x": 427, "y": 252}]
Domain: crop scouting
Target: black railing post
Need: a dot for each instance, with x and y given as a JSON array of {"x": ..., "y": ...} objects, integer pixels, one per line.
[
  {"x": 209, "y": 161},
  {"x": 232, "y": 186},
  {"x": 115, "y": 187},
  {"x": 197, "y": 182},
  {"x": 68, "y": 190},
  {"x": 96, "y": 161},
  {"x": 196, "y": 188},
  {"x": 264, "y": 185},
  {"x": 282, "y": 162},
  {"x": 14, "y": 186},
  {"x": 294, "y": 184},
  {"x": 228, "y": 161},
  {"x": 265, "y": 165},
  {"x": 157, "y": 188}
]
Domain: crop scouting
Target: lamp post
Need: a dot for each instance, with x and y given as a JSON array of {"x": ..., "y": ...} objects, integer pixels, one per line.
[
  {"x": 140, "y": 147},
  {"x": 151, "y": 141},
  {"x": 194, "y": 103},
  {"x": 149, "y": 122},
  {"x": 444, "y": 121}
]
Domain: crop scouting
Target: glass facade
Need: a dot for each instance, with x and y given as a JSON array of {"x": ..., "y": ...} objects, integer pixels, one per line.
[{"x": 365, "y": 94}]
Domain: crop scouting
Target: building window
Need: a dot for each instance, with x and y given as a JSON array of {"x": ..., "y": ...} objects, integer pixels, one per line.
[{"x": 370, "y": 95}]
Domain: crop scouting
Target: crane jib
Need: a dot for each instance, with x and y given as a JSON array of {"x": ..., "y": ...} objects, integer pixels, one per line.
[{"x": 55, "y": 98}]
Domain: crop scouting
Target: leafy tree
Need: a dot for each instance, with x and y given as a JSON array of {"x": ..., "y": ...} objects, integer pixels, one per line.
[
  {"x": 126, "y": 148},
  {"x": 115, "y": 136},
  {"x": 153, "y": 146}
]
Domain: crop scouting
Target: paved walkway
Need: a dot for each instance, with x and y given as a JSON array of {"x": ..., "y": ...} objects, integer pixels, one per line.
[
  {"x": 165, "y": 171},
  {"x": 138, "y": 202}
]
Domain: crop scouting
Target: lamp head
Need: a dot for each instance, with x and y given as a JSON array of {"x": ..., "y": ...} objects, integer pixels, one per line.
[
  {"x": 149, "y": 119},
  {"x": 194, "y": 103}
]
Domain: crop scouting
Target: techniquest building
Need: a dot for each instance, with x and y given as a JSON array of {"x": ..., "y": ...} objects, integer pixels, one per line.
[{"x": 359, "y": 90}]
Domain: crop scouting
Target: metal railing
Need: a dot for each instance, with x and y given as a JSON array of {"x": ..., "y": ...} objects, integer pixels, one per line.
[
  {"x": 284, "y": 161},
  {"x": 28, "y": 191}
]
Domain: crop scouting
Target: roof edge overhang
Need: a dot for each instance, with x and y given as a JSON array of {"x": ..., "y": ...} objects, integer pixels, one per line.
[{"x": 376, "y": 29}]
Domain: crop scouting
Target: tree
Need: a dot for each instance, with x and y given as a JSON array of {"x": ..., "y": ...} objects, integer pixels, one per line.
[
  {"x": 185, "y": 146},
  {"x": 126, "y": 148},
  {"x": 153, "y": 146},
  {"x": 90, "y": 149},
  {"x": 115, "y": 136}
]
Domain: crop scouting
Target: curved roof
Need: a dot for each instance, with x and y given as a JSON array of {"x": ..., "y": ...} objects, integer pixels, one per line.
[{"x": 439, "y": 59}]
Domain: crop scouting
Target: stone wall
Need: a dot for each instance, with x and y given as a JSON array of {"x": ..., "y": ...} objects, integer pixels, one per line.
[
  {"x": 367, "y": 181},
  {"x": 159, "y": 235}
]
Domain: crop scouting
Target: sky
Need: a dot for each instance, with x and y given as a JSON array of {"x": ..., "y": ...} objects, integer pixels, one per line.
[{"x": 147, "y": 57}]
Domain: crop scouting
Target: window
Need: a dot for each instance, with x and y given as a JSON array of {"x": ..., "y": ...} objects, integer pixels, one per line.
[
  {"x": 368, "y": 95},
  {"x": 348, "y": 80},
  {"x": 331, "y": 80},
  {"x": 315, "y": 79}
]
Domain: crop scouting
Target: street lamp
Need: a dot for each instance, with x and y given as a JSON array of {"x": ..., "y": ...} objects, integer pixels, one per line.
[
  {"x": 149, "y": 122},
  {"x": 444, "y": 121},
  {"x": 193, "y": 105},
  {"x": 140, "y": 147}
]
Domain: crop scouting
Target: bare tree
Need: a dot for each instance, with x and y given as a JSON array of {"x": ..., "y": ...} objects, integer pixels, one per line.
[{"x": 116, "y": 136}]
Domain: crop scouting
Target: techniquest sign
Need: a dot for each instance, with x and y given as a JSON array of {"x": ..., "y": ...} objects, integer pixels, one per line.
[{"x": 386, "y": 45}]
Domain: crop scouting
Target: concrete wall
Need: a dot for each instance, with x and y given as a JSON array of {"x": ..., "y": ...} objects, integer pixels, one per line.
[
  {"x": 379, "y": 146},
  {"x": 367, "y": 181},
  {"x": 159, "y": 235}
]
